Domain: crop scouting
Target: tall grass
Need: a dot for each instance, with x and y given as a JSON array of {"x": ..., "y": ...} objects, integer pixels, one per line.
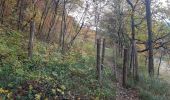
[{"x": 153, "y": 89}]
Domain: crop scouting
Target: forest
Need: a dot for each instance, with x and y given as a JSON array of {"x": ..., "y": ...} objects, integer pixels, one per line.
[{"x": 84, "y": 49}]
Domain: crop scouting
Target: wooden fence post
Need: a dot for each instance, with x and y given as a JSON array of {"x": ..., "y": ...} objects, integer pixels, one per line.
[
  {"x": 115, "y": 60},
  {"x": 103, "y": 54},
  {"x": 31, "y": 39},
  {"x": 124, "y": 78},
  {"x": 98, "y": 60}
]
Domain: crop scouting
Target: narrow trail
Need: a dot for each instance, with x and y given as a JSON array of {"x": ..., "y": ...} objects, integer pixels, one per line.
[{"x": 121, "y": 93}]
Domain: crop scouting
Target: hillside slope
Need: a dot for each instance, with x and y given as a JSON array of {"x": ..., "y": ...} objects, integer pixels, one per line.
[{"x": 49, "y": 75}]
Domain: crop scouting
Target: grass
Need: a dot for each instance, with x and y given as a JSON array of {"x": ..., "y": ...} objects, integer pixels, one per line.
[
  {"x": 150, "y": 88},
  {"x": 153, "y": 89}
]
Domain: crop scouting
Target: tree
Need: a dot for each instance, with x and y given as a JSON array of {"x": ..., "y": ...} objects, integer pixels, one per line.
[
  {"x": 21, "y": 7},
  {"x": 2, "y": 8},
  {"x": 134, "y": 57},
  {"x": 31, "y": 39},
  {"x": 150, "y": 37}
]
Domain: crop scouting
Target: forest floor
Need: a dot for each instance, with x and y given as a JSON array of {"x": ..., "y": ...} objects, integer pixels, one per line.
[{"x": 121, "y": 93}]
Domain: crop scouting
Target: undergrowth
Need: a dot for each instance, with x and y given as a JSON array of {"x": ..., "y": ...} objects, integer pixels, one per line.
[
  {"x": 50, "y": 74},
  {"x": 150, "y": 88},
  {"x": 153, "y": 89}
]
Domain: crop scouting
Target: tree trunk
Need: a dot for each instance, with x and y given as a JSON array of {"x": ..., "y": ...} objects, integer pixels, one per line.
[
  {"x": 136, "y": 64},
  {"x": 31, "y": 39},
  {"x": 114, "y": 59},
  {"x": 2, "y": 8},
  {"x": 150, "y": 36},
  {"x": 124, "y": 78},
  {"x": 43, "y": 18},
  {"x": 21, "y": 14},
  {"x": 160, "y": 60},
  {"x": 63, "y": 28},
  {"x": 98, "y": 60},
  {"x": 53, "y": 21},
  {"x": 103, "y": 54},
  {"x": 134, "y": 57}
]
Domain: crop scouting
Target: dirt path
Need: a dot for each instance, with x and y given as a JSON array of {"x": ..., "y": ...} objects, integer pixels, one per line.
[{"x": 122, "y": 93}]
